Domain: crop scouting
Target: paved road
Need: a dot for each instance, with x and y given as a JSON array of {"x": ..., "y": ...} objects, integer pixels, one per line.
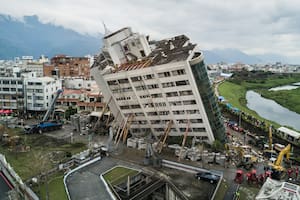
[
  {"x": 3, "y": 189},
  {"x": 85, "y": 184}
]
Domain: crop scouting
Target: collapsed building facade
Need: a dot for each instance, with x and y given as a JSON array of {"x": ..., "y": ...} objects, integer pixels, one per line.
[{"x": 155, "y": 83}]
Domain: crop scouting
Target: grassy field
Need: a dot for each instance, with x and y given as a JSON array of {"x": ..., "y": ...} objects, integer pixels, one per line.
[
  {"x": 45, "y": 153},
  {"x": 56, "y": 188},
  {"x": 292, "y": 102},
  {"x": 118, "y": 175},
  {"x": 236, "y": 96},
  {"x": 235, "y": 90}
]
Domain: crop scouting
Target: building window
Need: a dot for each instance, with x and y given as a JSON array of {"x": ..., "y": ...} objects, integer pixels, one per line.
[
  {"x": 136, "y": 78},
  {"x": 178, "y": 112},
  {"x": 13, "y": 82},
  {"x": 152, "y": 113},
  {"x": 178, "y": 72},
  {"x": 142, "y": 53},
  {"x": 159, "y": 95},
  {"x": 184, "y": 129},
  {"x": 163, "y": 112},
  {"x": 124, "y": 107},
  {"x": 172, "y": 94},
  {"x": 175, "y": 103},
  {"x": 182, "y": 121},
  {"x": 135, "y": 106},
  {"x": 153, "y": 86},
  {"x": 6, "y": 89},
  {"x": 189, "y": 102},
  {"x": 185, "y": 93},
  {"x": 192, "y": 112},
  {"x": 144, "y": 96},
  {"x": 142, "y": 87},
  {"x": 194, "y": 121},
  {"x": 159, "y": 129},
  {"x": 121, "y": 81},
  {"x": 149, "y": 76},
  {"x": 5, "y": 82},
  {"x": 113, "y": 82},
  {"x": 139, "y": 114},
  {"x": 155, "y": 121},
  {"x": 180, "y": 83},
  {"x": 168, "y": 84},
  {"x": 199, "y": 129},
  {"x": 164, "y": 74}
]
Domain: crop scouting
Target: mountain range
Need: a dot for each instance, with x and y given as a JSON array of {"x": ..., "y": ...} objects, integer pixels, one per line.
[{"x": 33, "y": 38}]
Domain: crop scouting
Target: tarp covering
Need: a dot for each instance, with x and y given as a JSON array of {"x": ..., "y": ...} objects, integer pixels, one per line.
[{"x": 277, "y": 190}]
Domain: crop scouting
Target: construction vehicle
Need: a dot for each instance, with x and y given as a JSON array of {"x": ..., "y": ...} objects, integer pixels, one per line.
[
  {"x": 252, "y": 177},
  {"x": 269, "y": 152},
  {"x": 239, "y": 176},
  {"x": 47, "y": 124},
  {"x": 244, "y": 158},
  {"x": 277, "y": 168}
]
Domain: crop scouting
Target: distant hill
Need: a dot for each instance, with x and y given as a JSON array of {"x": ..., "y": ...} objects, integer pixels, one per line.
[
  {"x": 34, "y": 38},
  {"x": 230, "y": 56}
]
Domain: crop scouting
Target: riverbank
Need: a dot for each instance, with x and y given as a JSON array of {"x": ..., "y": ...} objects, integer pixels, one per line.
[
  {"x": 287, "y": 98},
  {"x": 235, "y": 90}
]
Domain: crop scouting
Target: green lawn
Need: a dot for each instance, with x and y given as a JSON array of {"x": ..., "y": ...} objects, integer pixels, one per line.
[
  {"x": 44, "y": 154},
  {"x": 292, "y": 102},
  {"x": 56, "y": 188},
  {"x": 236, "y": 95},
  {"x": 119, "y": 174}
]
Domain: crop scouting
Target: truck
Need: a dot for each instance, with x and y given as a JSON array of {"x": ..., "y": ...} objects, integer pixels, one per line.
[
  {"x": 43, "y": 127},
  {"x": 46, "y": 125}
]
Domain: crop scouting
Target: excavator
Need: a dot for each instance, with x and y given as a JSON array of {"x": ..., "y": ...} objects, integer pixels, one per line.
[
  {"x": 246, "y": 160},
  {"x": 277, "y": 168}
]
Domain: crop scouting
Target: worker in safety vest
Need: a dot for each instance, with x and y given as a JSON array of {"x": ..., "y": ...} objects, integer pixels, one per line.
[{"x": 237, "y": 195}]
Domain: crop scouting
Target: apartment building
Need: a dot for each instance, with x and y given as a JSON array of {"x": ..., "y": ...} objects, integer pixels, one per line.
[
  {"x": 65, "y": 67},
  {"x": 157, "y": 83},
  {"x": 39, "y": 91},
  {"x": 11, "y": 87}
]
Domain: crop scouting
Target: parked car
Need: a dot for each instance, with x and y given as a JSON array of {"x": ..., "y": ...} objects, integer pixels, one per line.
[{"x": 207, "y": 176}]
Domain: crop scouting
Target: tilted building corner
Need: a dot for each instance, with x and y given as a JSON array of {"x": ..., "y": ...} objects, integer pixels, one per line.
[{"x": 156, "y": 82}]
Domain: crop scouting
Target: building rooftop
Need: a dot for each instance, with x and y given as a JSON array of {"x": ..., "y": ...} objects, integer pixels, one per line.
[{"x": 165, "y": 51}]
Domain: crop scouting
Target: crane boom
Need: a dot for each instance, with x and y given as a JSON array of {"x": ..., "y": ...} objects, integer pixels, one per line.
[
  {"x": 52, "y": 105},
  {"x": 286, "y": 151},
  {"x": 270, "y": 138}
]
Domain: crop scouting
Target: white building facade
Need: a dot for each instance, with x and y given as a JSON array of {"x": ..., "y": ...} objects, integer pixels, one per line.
[
  {"x": 39, "y": 91},
  {"x": 170, "y": 84}
]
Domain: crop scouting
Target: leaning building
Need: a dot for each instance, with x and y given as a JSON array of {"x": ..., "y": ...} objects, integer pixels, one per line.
[{"x": 155, "y": 83}]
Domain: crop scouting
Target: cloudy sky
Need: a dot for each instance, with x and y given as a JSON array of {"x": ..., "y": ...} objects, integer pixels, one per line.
[{"x": 255, "y": 27}]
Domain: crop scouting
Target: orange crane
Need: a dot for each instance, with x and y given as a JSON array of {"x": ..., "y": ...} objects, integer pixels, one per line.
[
  {"x": 163, "y": 137},
  {"x": 184, "y": 140}
]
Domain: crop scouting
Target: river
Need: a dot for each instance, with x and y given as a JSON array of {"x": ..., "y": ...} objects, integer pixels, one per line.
[{"x": 271, "y": 110}]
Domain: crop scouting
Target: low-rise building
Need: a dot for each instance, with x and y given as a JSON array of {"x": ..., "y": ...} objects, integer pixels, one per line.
[
  {"x": 66, "y": 66},
  {"x": 39, "y": 91}
]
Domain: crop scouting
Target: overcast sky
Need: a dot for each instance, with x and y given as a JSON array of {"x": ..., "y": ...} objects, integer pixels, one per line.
[{"x": 255, "y": 27}]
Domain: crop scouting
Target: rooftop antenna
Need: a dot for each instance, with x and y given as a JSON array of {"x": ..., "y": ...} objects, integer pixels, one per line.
[{"x": 106, "y": 30}]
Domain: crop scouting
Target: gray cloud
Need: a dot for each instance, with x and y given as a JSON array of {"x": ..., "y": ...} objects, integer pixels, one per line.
[{"x": 256, "y": 27}]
